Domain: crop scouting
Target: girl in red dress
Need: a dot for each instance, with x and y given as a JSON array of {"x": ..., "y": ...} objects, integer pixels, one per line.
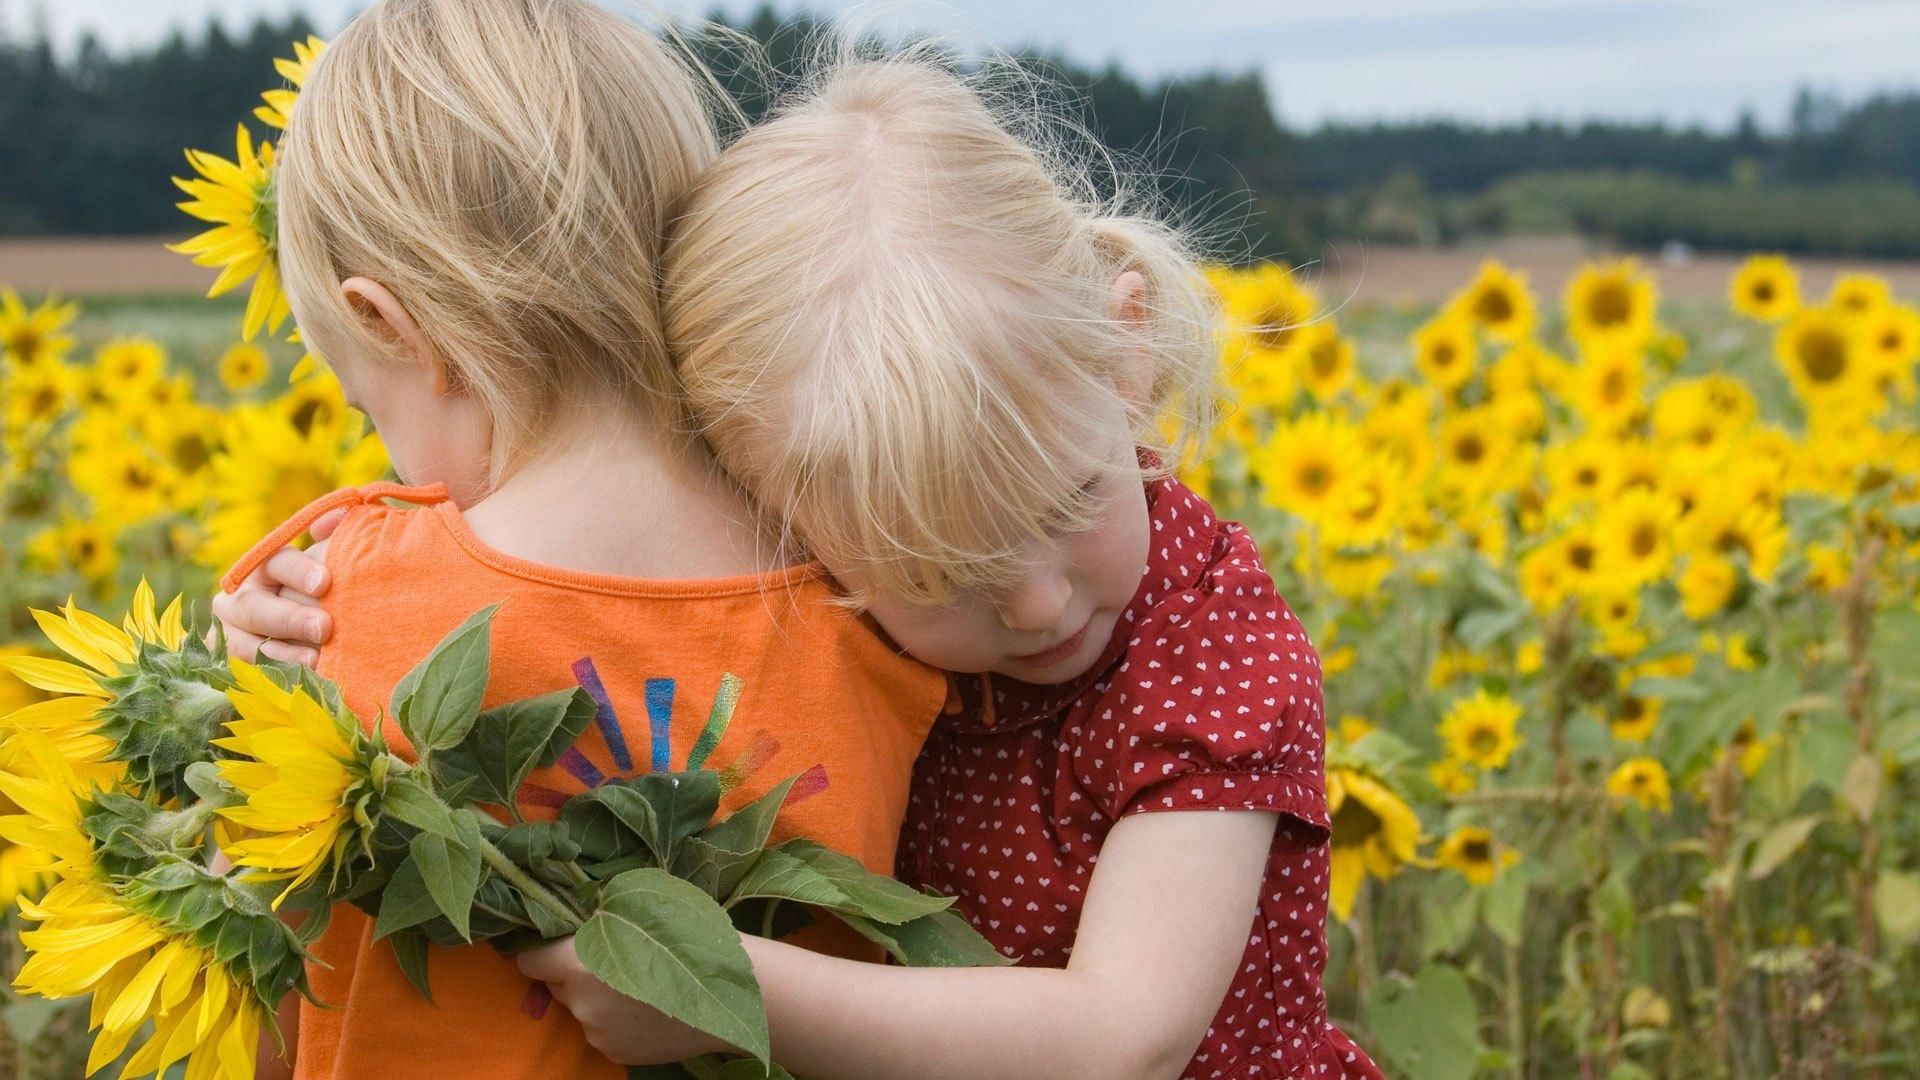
[{"x": 936, "y": 357}]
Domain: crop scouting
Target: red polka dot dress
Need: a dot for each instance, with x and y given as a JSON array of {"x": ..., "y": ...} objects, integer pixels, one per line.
[{"x": 1208, "y": 698}]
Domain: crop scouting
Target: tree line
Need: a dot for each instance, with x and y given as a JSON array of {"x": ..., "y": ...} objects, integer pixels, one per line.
[{"x": 87, "y": 140}]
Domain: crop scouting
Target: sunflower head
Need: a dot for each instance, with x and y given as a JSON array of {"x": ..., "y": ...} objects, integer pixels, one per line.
[
  {"x": 1479, "y": 730},
  {"x": 1472, "y": 852},
  {"x": 1611, "y": 304},
  {"x": 1643, "y": 780},
  {"x": 306, "y": 775},
  {"x": 1766, "y": 288},
  {"x": 1498, "y": 302},
  {"x": 1374, "y": 832}
]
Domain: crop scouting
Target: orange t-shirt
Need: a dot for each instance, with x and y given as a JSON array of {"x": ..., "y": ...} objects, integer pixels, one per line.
[{"x": 823, "y": 697}]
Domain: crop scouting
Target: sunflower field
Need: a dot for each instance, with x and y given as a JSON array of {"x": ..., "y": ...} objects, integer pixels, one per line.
[
  {"x": 1618, "y": 612},
  {"x": 1617, "y": 604}
]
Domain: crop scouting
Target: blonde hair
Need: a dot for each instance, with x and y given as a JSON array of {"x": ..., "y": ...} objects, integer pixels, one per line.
[
  {"x": 890, "y": 314},
  {"x": 506, "y": 168}
]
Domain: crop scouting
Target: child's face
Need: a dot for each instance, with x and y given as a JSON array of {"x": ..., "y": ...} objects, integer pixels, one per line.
[
  {"x": 1055, "y": 623},
  {"x": 433, "y": 432}
]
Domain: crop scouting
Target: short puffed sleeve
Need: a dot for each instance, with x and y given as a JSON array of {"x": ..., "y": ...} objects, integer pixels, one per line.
[{"x": 1215, "y": 705}]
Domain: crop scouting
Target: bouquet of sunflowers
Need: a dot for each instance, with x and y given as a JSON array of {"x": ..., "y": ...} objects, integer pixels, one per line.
[{"x": 188, "y": 800}]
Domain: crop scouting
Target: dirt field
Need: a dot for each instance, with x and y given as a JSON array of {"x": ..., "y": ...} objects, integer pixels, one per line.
[{"x": 1349, "y": 272}]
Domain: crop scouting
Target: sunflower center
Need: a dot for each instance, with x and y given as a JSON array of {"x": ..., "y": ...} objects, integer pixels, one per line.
[
  {"x": 1580, "y": 555},
  {"x": 1476, "y": 850},
  {"x": 1613, "y": 386},
  {"x": 1468, "y": 449},
  {"x": 25, "y": 345},
  {"x": 1484, "y": 741},
  {"x": 1275, "y": 328},
  {"x": 1325, "y": 359},
  {"x": 1610, "y": 304},
  {"x": 1632, "y": 709},
  {"x": 1354, "y": 823},
  {"x": 1494, "y": 306},
  {"x": 1315, "y": 477},
  {"x": 1823, "y": 356},
  {"x": 1443, "y": 355},
  {"x": 190, "y": 451},
  {"x": 1645, "y": 540},
  {"x": 1763, "y": 292},
  {"x": 310, "y": 414}
]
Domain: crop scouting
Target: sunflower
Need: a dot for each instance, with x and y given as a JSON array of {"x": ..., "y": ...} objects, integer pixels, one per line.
[
  {"x": 77, "y": 544},
  {"x": 1478, "y": 455},
  {"x": 1576, "y": 555},
  {"x": 1580, "y": 471},
  {"x": 128, "y": 367},
  {"x": 36, "y": 398},
  {"x": 1635, "y": 537},
  {"x": 1543, "y": 577},
  {"x": 1609, "y": 385},
  {"x": 279, "y": 103},
  {"x": 267, "y": 470},
  {"x": 1374, "y": 832},
  {"x": 1828, "y": 568},
  {"x": 1634, "y": 718},
  {"x": 1766, "y": 288},
  {"x": 1498, "y": 302},
  {"x": 1350, "y": 575},
  {"x": 300, "y": 770},
  {"x": 1445, "y": 352},
  {"x": 1479, "y": 730},
  {"x": 1692, "y": 416},
  {"x": 126, "y": 482},
  {"x": 1611, "y": 304},
  {"x": 1306, "y": 466},
  {"x": 1728, "y": 524},
  {"x": 30, "y": 337},
  {"x": 1856, "y": 295},
  {"x": 237, "y": 197},
  {"x": 244, "y": 367},
  {"x": 1368, "y": 508},
  {"x": 316, "y": 406},
  {"x": 1891, "y": 338},
  {"x": 1822, "y": 358},
  {"x": 1643, "y": 780},
  {"x": 74, "y": 718},
  {"x": 91, "y": 940},
  {"x": 1471, "y": 851},
  {"x": 1265, "y": 311},
  {"x": 1452, "y": 777},
  {"x": 1326, "y": 360},
  {"x": 1707, "y": 585}
]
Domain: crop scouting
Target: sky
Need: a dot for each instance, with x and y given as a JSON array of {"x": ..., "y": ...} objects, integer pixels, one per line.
[{"x": 1685, "y": 61}]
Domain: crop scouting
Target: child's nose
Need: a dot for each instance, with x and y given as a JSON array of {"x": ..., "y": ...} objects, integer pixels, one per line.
[{"x": 1037, "y": 604}]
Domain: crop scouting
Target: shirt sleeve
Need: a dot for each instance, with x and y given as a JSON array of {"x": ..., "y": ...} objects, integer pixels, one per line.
[{"x": 1216, "y": 705}]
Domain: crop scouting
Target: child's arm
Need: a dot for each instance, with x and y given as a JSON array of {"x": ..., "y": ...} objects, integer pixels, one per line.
[{"x": 1168, "y": 911}]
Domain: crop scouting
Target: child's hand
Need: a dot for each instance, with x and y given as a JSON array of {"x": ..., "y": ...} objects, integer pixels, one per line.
[
  {"x": 626, "y": 1031},
  {"x": 276, "y": 610}
]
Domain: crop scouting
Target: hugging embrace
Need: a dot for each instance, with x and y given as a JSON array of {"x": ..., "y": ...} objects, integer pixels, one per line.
[{"x": 870, "y": 408}]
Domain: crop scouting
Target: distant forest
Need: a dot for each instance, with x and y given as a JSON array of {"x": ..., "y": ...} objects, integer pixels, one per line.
[{"x": 87, "y": 142}]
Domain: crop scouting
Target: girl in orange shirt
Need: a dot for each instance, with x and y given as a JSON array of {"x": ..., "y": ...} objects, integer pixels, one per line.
[{"x": 472, "y": 195}]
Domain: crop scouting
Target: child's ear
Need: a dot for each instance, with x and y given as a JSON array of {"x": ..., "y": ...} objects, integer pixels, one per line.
[
  {"x": 389, "y": 320},
  {"x": 1127, "y": 306}
]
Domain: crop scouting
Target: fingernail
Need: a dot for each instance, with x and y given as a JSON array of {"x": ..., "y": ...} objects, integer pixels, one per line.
[
  {"x": 314, "y": 578},
  {"x": 316, "y": 626}
]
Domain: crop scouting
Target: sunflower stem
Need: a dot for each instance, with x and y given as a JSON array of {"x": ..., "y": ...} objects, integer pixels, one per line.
[{"x": 530, "y": 887}]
